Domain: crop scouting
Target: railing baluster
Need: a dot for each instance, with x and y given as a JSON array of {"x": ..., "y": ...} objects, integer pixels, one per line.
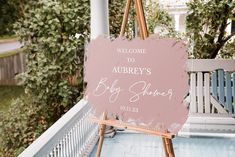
[
  {"x": 60, "y": 148},
  {"x": 68, "y": 137},
  {"x": 78, "y": 139},
  {"x": 214, "y": 88},
  {"x": 64, "y": 147},
  {"x": 200, "y": 92},
  {"x": 207, "y": 92},
  {"x": 69, "y": 143},
  {"x": 228, "y": 92},
  {"x": 54, "y": 152},
  {"x": 193, "y": 105},
  {"x": 73, "y": 142},
  {"x": 221, "y": 86},
  {"x": 233, "y": 92}
]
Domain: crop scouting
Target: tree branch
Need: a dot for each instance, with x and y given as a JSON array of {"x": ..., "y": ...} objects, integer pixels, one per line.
[
  {"x": 229, "y": 37},
  {"x": 222, "y": 29}
]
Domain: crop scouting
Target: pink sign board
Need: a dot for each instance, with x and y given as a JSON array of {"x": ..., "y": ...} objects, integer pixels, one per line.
[{"x": 142, "y": 82}]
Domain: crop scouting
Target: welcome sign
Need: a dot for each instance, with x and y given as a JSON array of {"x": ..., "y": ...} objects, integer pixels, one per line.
[{"x": 142, "y": 82}]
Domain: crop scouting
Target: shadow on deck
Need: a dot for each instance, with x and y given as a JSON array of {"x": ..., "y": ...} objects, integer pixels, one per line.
[{"x": 140, "y": 145}]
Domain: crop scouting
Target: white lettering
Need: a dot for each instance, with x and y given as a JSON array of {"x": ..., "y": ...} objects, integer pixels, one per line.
[
  {"x": 102, "y": 88},
  {"x": 132, "y": 70},
  {"x": 125, "y": 50},
  {"x": 141, "y": 88}
]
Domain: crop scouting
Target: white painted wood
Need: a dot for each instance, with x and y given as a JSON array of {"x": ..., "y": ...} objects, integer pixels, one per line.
[
  {"x": 213, "y": 88},
  {"x": 228, "y": 92},
  {"x": 200, "y": 103},
  {"x": 206, "y": 119},
  {"x": 204, "y": 65},
  {"x": 234, "y": 93},
  {"x": 206, "y": 134},
  {"x": 63, "y": 130},
  {"x": 210, "y": 127},
  {"x": 177, "y": 22},
  {"x": 221, "y": 87},
  {"x": 99, "y": 18},
  {"x": 218, "y": 106},
  {"x": 207, "y": 92},
  {"x": 193, "y": 106}
]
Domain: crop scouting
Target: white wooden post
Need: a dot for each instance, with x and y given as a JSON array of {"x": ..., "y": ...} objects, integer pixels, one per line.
[
  {"x": 100, "y": 26},
  {"x": 177, "y": 22},
  {"x": 99, "y": 18}
]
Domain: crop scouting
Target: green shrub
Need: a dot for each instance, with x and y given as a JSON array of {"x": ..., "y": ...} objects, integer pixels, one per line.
[
  {"x": 54, "y": 35},
  {"x": 20, "y": 126}
]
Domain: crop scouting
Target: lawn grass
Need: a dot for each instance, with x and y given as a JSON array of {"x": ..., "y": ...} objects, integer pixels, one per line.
[
  {"x": 8, "y": 38},
  {"x": 7, "y": 94}
]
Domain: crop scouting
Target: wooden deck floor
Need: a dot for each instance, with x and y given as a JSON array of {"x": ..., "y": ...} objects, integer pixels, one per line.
[{"x": 140, "y": 145}]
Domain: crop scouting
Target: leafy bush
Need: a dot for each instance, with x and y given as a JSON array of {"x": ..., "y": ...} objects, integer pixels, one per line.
[
  {"x": 6, "y": 19},
  {"x": 54, "y": 35},
  {"x": 206, "y": 27},
  {"x": 157, "y": 17},
  {"x": 20, "y": 126},
  {"x": 116, "y": 10}
]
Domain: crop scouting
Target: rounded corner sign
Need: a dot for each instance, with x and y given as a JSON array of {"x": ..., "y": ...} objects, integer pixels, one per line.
[{"x": 142, "y": 82}]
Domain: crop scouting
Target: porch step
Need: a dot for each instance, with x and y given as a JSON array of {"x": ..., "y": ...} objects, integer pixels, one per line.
[{"x": 217, "y": 125}]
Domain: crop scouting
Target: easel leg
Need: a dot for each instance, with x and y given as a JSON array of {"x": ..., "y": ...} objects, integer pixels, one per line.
[
  {"x": 101, "y": 134},
  {"x": 170, "y": 148},
  {"x": 141, "y": 18},
  {"x": 165, "y": 147},
  {"x": 125, "y": 17}
]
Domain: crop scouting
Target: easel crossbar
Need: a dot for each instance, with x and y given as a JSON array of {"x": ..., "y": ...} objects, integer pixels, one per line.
[{"x": 120, "y": 124}]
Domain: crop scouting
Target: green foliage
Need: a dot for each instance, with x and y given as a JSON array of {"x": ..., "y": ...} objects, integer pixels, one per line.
[
  {"x": 228, "y": 51},
  {"x": 20, "y": 126},
  {"x": 54, "y": 33},
  {"x": 11, "y": 11},
  {"x": 54, "y": 52},
  {"x": 157, "y": 17},
  {"x": 7, "y": 17},
  {"x": 116, "y": 10},
  {"x": 8, "y": 94},
  {"x": 206, "y": 26}
]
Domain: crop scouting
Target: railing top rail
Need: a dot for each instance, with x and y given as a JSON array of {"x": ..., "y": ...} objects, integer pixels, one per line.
[
  {"x": 53, "y": 134},
  {"x": 205, "y": 65}
]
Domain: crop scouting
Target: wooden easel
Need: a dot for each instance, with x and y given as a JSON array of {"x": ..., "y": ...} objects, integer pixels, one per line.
[{"x": 166, "y": 136}]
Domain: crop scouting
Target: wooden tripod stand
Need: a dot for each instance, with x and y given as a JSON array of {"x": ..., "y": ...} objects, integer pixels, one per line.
[{"x": 166, "y": 136}]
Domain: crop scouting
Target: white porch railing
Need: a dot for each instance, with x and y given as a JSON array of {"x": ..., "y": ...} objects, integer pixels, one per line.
[
  {"x": 73, "y": 135},
  {"x": 212, "y": 88},
  {"x": 212, "y": 100}
]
